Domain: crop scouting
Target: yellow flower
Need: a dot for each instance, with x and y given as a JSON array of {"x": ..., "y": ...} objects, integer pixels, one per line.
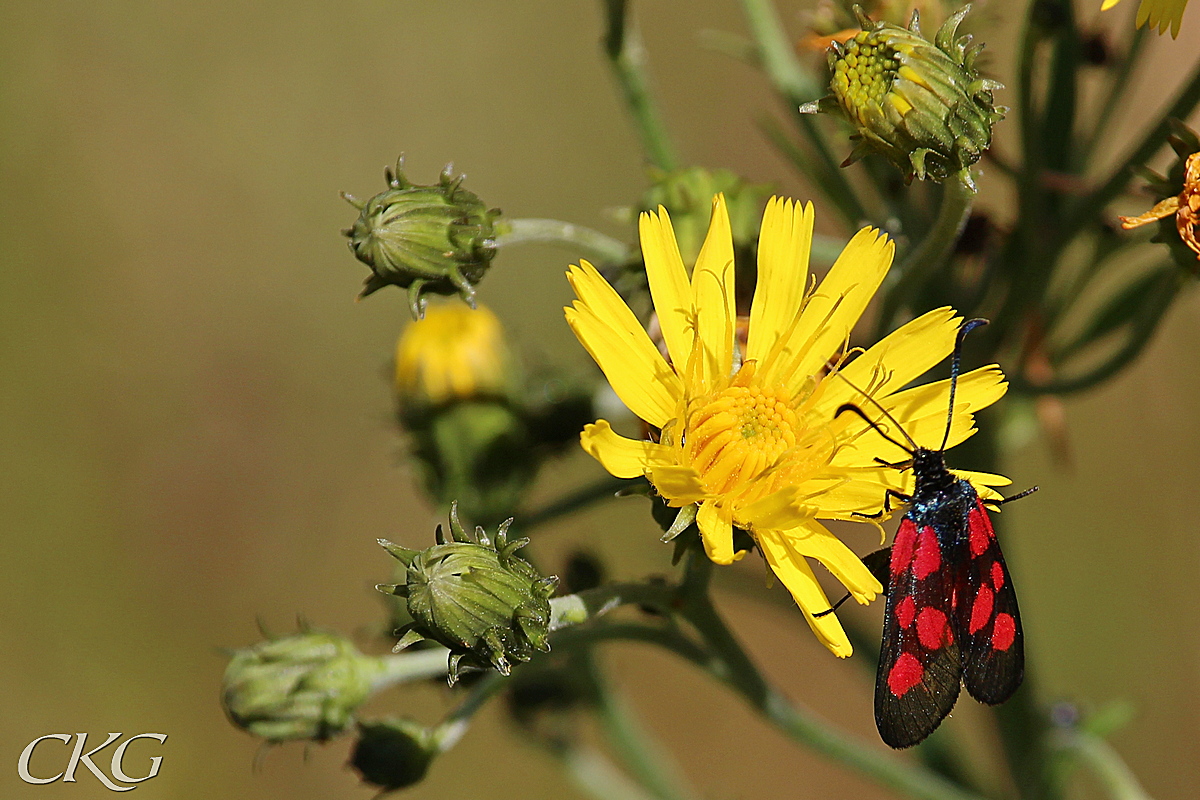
[
  {"x": 753, "y": 437},
  {"x": 1185, "y": 207},
  {"x": 454, "y": 353},
  {"x": 1159, "y": 13}
]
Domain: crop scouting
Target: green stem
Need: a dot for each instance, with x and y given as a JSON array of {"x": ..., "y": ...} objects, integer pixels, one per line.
[
  {"x": 628, "y": 60},
  {"x": 641, "y": 754},
  {"x": 820, "y": 174},
  {"x": 1058, "y": 122},
  {"x": 411, "y": 666},
  {"x": 575, "y": 609},
  {"x": 923, "y": 261},
  {"x": 1094, "y": 203},
  {"x": 588, "y": 242},
  {"x": 452, "y": 728},
  {"x": 574, "y": 501},
  {"x": 743, "y": 676},
  {"x": 595, "y": 774},
  {"x": 1141, "y": 331},
  {"x": 1113, "y": 773},
  {"x": 777, "y": 54},
  {"x": 1116, "y": 91},
  {"x": 796, "y": 86}
]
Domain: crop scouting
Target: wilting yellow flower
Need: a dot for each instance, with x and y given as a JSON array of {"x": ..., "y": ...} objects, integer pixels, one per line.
[
  {"x": 754, "y": 437},
  {"x": 1159, "y": 13},
  {"x": 1185, "y": 207},
  {"x": 454, "y": 353}
]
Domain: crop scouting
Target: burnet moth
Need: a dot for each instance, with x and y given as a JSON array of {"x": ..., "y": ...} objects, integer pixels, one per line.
[{"x": 951, "y": 616}]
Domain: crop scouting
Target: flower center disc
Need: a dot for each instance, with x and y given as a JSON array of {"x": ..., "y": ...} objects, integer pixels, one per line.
[
  {"x": 865, "y": 74},
  {"x": 738, "y": 433}
]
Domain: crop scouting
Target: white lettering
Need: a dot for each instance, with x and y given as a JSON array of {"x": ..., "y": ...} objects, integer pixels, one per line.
[
  {"x": 79, "y": 757},
  {"x": 27, "y": 753},
  {"x": 119, "y": 755}
]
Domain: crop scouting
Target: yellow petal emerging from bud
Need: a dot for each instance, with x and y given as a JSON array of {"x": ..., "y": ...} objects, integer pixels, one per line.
[
  {"x": 921, "y": 103},
  {"x": 454, "y": 353}
]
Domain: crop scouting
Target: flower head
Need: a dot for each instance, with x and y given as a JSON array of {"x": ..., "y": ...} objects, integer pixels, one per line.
[
  {"x": 454, "y": 353},
  {"x": 1185, "y": 208},
  {"x": 436, "y": 238},
  {"x": 303, "y": 686},
  {"x": 474, "y": 595},
  {"x": 750, "y": 434},
  {"x": 1159, "y": 13},
  {"x": 920, "y": 103}
]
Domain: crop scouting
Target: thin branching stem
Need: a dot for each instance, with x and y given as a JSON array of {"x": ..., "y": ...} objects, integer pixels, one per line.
[
  {"x": 626, "y": 56},
  {"x": 1093, "y": 203},
  {"x": 585, "y": 241}
]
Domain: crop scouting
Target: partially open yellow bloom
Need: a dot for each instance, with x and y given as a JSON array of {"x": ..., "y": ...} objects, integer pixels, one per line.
[
  {"x": 1185, "y": 207},
  {"x": 1160, "y": 14},
  {"x": 751, "y": 434},
  {"x": 454, "y": 353}
]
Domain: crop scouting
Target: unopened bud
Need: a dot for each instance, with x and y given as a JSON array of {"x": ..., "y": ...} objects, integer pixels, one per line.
[
  {"x": 394, "y": 753},
  {"x": 303, "y": 686},
  {"x": 436, "y": 238},
  {"x": 454, "y": 353},
  {"x": 921, "y": 104},
  {"x": 474, "y": 595},
  {"x": 687, "y": 195}
]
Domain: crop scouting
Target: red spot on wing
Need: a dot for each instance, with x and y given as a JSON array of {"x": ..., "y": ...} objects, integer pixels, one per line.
[
  {"x": 1004, "y": 631},
  {"x": 981, "y": 531},
  {"x": 929, "y": 555},
  {"x": 997, "y": 575},
  {"x": 906, "y": 612},
  {"x": 932, "y": 628},
  {"x": 902, "y": 547},
  {"x": 981, "y": 610},
  {"x": 906, "y": 673}
]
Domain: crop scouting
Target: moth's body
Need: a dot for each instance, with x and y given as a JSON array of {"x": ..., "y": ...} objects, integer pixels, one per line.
[{"x": 951, "y": 614}]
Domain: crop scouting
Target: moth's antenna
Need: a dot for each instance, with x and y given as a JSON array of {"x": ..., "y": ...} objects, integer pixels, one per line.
[
  {"x": 955, "y": 366},
  {"x": 851, "y": 407},
  {"x": 873, "y": 423}
]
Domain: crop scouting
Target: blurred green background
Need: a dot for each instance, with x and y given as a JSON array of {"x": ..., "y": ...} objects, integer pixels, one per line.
[{"x": 196, "y": 421}]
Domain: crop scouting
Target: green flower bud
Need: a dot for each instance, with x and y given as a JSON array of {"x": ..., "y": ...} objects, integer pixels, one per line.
[
  {"x": 424, "y": 238},
  {"x": 479, "y": 452},
  {"x": 687, "y": 195},
  {"x": 921, "y": 104},
  {"x": 393, "y": 753},
  {"x": 303, "y": 686},
  {"x": 474, "y": 595}
]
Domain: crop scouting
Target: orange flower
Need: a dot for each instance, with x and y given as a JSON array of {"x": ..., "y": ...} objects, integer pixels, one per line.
[{"x": 1185, "y": 207}]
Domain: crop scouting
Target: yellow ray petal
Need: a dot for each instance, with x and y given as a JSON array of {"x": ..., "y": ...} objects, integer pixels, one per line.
[
  {"x": 622, "y": 457},
  {"x": 1161, "y": 14},
  {"x": 835, "y": 307},
  {"x": 783, "y": 250},
  {"x": 797, "y": 576},
  {"x": 712, "y": 288},
  {"x": 779, "y": 510},
  {"x": 916, "y": 408},
  {"x": 677, "y": 484},
  {"x": 1107, "y": 4},
  {"x": 982, "y": 478},
  {"x": 815, "y": 541},
  {"x": 861, "y": 493},
  {"x": 669, "y": 287},
  {"x": 899, "y": 358},
  {"x": 610, "y": 333},
  {"x": 716, "y": 531}
]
